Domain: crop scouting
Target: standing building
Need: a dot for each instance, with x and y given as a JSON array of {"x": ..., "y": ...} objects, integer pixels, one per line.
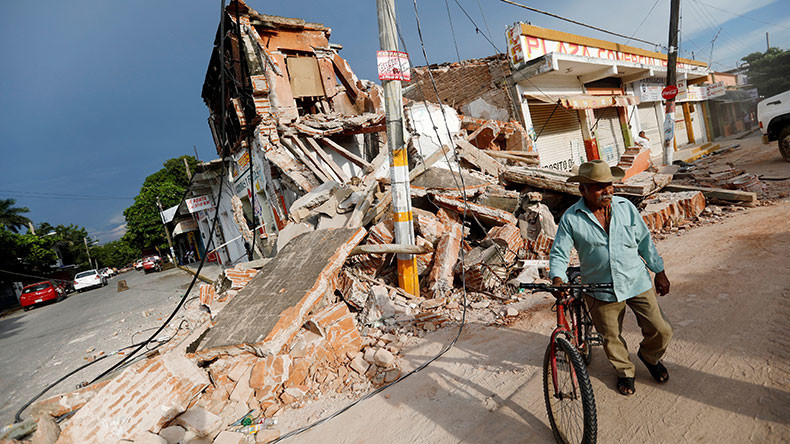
[{"x": 583, "y": 98}]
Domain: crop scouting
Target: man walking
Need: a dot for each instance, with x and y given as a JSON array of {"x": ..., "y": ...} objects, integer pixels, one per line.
[{"x": 614, "y": 246}]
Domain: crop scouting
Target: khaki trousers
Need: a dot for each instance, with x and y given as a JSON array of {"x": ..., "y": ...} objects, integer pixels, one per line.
[{"x": 608, "y": 320}]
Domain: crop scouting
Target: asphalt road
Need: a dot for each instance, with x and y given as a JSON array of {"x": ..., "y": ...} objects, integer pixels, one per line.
[{"x": 39, "y": 346}]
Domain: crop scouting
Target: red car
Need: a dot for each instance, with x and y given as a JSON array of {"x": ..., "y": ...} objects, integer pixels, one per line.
[
  {"x": 39, "y": 293},
  {"x": 152, "y": 263}
]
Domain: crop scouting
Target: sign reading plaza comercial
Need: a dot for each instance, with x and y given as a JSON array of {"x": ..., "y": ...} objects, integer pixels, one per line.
[{"x": 522, "y": 47}]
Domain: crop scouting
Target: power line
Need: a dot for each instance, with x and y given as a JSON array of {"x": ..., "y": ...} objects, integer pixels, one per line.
[
  {"x": 741, "y": 15},
  {"x": 576, "y": 22},
  {"x": 643, "y": 22},
  {"x": 34, "y": 194},
  {"x": 452, "y": 30}
]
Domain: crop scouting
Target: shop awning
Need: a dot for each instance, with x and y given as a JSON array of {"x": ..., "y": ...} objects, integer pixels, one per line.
[
  {"x": 185, "y": 226},
  {"x": 594, "y": 102}
]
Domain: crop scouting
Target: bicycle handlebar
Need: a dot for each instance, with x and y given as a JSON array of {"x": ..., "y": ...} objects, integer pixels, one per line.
[{"x": 563, "y": 287}]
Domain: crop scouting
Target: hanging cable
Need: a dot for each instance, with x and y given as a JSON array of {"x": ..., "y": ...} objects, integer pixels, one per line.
[
  {"x": 213, "y": 223},
  {"x": 452, "y": 30},
  {"x": 576, "y": 22},
  {"x": 643, "y": 22}
]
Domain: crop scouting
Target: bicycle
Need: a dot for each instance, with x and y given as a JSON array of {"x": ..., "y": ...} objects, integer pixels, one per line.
[{"x": 569, "y": 397}]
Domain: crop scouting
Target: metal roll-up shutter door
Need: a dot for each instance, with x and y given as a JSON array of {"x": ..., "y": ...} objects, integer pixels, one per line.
[
  {"x": 560, "y": 143},
  {"x": 610, "y": 136},
  {"x": 681, "y": 136},
  {"x": 651, "y": 127}
]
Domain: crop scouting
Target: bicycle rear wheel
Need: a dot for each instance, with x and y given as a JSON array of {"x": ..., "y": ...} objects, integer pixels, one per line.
[{"x": 572, "y": 413}]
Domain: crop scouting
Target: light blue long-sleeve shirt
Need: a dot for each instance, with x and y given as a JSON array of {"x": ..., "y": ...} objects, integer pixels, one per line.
[{"x": 621, "y": 257}]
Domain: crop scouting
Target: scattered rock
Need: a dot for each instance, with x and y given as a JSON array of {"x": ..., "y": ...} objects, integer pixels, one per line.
[{"x": 384, "y": 358}]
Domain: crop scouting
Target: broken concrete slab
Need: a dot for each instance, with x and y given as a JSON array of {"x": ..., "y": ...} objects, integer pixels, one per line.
[
  {"x": 67, "y": 402},
  {"x": 666, "y": 210},
  {"x": 439, "y": 180},
  {"x": 643, "y": 184},
  {"x": 199, "y": 421},
  {"x": 479, "y": 158},
  {"x": 542, "y": 178},
  {"x": 489, "y": 215},
  {"x": 47, "y": 431},
  {"x": 446, "y": 255},
  {"x": 291, "y": 231},
  {"x": 269, "y": 311},
  {"x": 144, "y": 397}
]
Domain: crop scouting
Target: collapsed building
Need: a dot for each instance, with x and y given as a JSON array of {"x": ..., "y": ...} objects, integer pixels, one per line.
[{"x": 317, "y": 314}]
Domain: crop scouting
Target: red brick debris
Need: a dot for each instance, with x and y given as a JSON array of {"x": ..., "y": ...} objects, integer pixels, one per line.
[{"x": 314, "y": 319}]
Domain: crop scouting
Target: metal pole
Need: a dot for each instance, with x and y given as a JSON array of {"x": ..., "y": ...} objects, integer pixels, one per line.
[
  {"x": 87, "y": 250},
  {"x": 672, "y": 59},
  {"x": 167, "y": 230},
  {"x": 399, "y": 163}
]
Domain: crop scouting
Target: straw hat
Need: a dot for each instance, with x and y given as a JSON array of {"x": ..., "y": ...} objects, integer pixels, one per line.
[{"x": 597, "y": 171}]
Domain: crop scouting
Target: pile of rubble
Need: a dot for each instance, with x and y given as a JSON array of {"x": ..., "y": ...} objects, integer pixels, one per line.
[{"x": 324, "y": 315}]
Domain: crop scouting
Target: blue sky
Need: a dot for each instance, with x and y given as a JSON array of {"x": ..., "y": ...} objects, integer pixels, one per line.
[{"x": 96, "y": 95}]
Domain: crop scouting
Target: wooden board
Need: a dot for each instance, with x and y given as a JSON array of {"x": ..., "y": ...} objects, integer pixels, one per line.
[
  {"x": 346, "y": 153},
  {"x": 716, "y": 193}
]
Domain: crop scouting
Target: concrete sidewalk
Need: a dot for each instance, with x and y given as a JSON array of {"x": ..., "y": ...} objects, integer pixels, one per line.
[{"x": 209, "y": 272}]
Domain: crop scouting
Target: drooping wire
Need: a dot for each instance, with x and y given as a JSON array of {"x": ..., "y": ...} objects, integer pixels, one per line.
[
  {"x": 643, "y": 22},
  {"x": 224, "y": 149},
  {"x": 245, "y": 100},
  {"x": 576, "y": 22},
  {"x": 452, "y": 30},
  {"x": 463, "y": 280}
]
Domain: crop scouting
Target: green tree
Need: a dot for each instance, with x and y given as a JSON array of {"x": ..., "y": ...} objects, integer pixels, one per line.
[
  {"x": 69, "y": 239},
  {"x": 11, "y": 217},
  {"x": 768, "y": 71},
  {"x": 115, "y": 254},
  {"x": 143, "y": 223},
  {"x": 26, "y": 253}
]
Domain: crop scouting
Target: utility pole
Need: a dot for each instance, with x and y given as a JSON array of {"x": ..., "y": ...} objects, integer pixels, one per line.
[
  {"x": 767, "y": 43},
  {"x": 672, "y": 60},
  {"x": 167, "y": 230},
  {"x": 189, "y": 172},
  {"x": 87, "y": 250},
  {"x": 399, "y": 162}
]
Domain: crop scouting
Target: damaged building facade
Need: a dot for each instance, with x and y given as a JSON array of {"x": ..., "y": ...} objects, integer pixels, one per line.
[{"x": 294, "y": 115}]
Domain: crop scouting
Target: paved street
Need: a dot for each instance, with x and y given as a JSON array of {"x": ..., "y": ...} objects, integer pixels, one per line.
[{"x": 39, "y": 346}]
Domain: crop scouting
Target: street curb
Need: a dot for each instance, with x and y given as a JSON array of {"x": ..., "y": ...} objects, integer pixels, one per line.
[{"x": 200, "y": 276}]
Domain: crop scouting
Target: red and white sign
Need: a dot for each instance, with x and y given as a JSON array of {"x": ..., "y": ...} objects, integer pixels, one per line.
[
  {"x": 522, "y": 47},
  {"x": 669, "y": 92},
  {"x": 393, "y": 65},
  {"x": 199, "y": 203},
  {"x": 715, "y": 90}
]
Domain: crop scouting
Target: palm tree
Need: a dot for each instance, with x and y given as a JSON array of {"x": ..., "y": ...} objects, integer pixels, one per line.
[{"x": 11, "y": 216}]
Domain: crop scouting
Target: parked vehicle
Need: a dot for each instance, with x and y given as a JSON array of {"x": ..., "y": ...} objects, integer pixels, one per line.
[
  {"x": 152, "y": 263},
  {"x": 89, "y": 279},
  {"x": 39, "y": 293},
  {"x": 773, "y": 115},
  {"x": 138, "y": 264},
  {"x": 106, "y": 272}
]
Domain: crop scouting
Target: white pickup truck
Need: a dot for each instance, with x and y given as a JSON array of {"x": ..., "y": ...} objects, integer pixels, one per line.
[{"x": 773, "y": 114}]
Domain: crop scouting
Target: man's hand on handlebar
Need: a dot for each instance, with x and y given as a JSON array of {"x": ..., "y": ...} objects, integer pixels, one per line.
[{"x": 559, "y": 294}]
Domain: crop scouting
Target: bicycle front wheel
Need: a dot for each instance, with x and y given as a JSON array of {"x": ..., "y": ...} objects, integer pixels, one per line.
[{"x": 571, "y": 409}]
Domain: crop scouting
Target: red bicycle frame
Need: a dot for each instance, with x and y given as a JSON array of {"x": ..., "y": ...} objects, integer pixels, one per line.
[{"x": 563, "y": 327}]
